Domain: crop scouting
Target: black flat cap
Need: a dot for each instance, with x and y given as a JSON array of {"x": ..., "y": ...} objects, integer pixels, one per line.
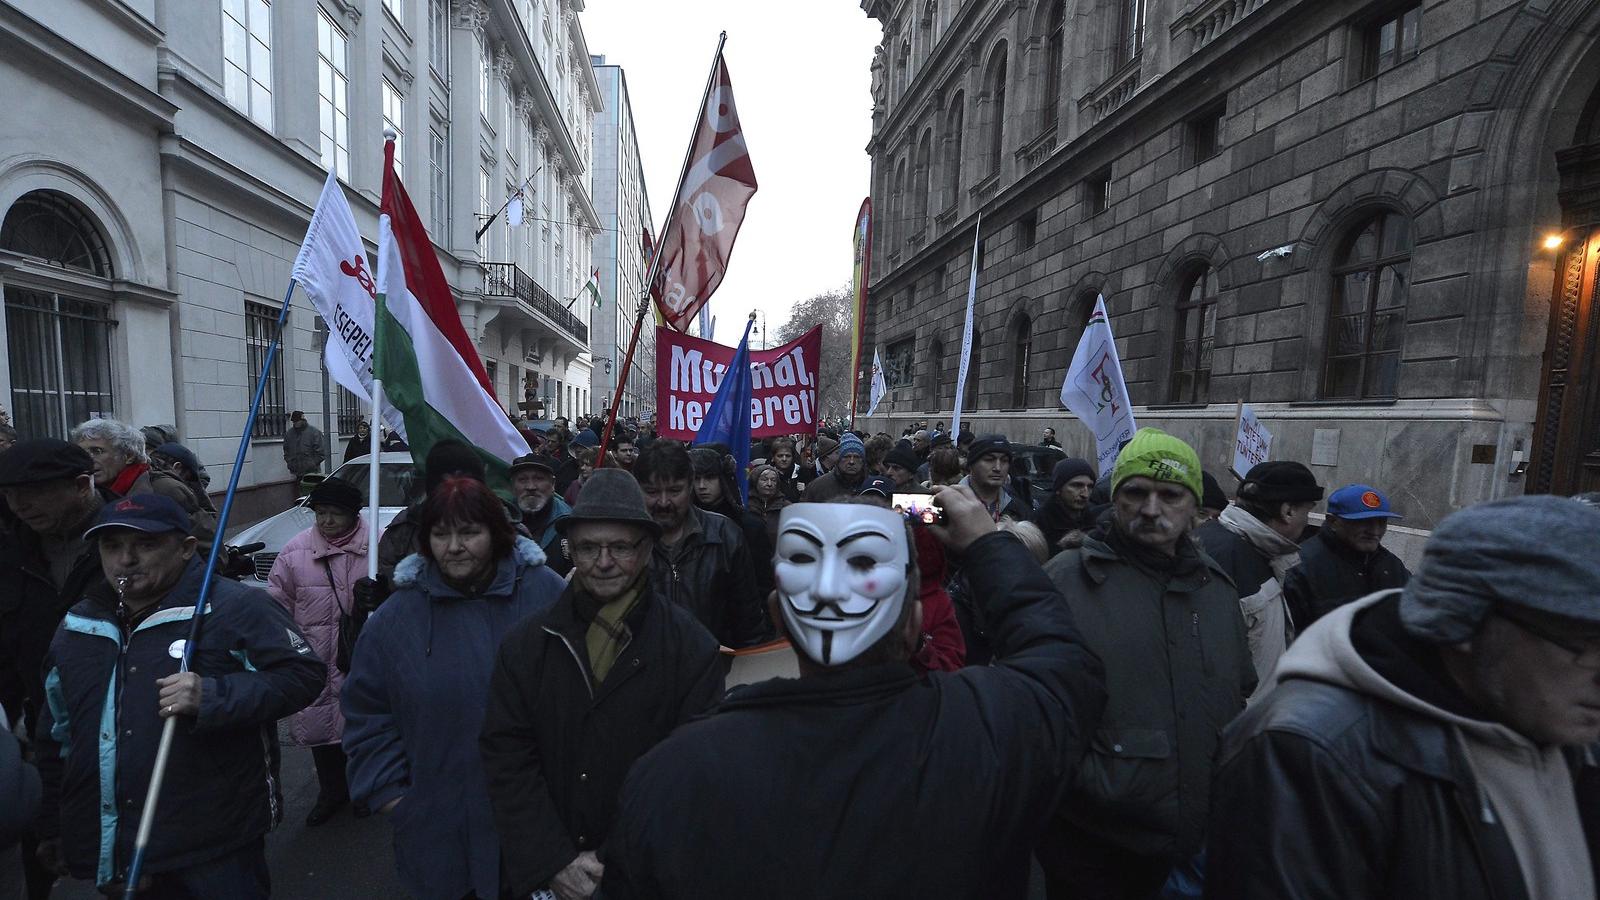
[{"x": 43, "y": 459}]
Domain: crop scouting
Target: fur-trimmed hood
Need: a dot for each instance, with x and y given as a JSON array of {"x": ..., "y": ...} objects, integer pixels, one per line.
[{"x": 409, "y": 572}]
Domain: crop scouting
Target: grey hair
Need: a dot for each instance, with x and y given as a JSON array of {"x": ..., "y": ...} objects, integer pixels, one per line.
[{"x": 121, "y": 435}]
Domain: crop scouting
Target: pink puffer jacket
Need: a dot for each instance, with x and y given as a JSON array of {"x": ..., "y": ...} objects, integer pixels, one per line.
[{"x": 300, "y": 581}]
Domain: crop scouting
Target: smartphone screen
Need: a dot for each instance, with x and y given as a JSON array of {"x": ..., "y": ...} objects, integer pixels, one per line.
[{"x": 920, "y": 508}]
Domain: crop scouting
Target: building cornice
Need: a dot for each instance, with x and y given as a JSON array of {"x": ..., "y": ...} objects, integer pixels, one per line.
[
  {"x": 951, "y": 56},
  {"x": 30, "y": 43}
]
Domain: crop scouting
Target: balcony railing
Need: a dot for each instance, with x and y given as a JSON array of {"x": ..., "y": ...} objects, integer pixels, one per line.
[
  {"x": 508, "y": 280},
  {"x": 1205, "y": 20},
  {"x": 1099, "y": 103}
]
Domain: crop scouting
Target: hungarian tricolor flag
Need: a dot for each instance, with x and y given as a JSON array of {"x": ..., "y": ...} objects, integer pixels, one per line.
[
  {"x": 429, "y": 369},
  {"x": 708, "y": 208}
]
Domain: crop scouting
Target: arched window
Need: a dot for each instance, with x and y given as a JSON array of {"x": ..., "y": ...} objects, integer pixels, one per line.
[
  {"x": 1130, "y": 29},
  {"x": 1055, "y": 39},
  {"x": 995, "y": 121},
  {"x": 955, "y": 132},
  {"x": 919, "y": 193},
  {"x": 938, "y": 367},
  {"x": 1196, "y": 331},
  {"x": 59, "y": 345},
  {"x": 1021, "y": 357},
  {"x": 50, "y": 226},
  {"x": 1367, "y": 325}
]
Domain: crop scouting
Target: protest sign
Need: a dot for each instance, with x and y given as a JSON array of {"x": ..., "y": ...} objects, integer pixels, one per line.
[
  {"x": 784, "y": 384},
  {"x": 1252, "y": 442}
]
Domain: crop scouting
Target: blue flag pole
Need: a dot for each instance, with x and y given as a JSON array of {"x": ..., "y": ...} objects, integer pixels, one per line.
[
  {"x": 728, "y": 420},
  {"x": 141, "y": 841}
]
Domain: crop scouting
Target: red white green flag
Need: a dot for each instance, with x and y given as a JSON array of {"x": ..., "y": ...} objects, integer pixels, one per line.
[{"x": 427, "y": 364}]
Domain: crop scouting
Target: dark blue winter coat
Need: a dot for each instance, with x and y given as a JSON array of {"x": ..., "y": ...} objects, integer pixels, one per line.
[
  {"x": 413, "y": 707},
  {"x": 96, "y": 756}
]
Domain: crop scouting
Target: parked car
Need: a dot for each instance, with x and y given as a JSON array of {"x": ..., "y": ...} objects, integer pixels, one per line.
[
  {"x": 398, "y": 487},
  {"x": 1036, "y": 465}
]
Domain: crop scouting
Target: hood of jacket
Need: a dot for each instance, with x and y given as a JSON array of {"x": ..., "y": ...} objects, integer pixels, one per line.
[
  {"x": 416, "y": 570},
  {"x": 1281, "y": 553}
]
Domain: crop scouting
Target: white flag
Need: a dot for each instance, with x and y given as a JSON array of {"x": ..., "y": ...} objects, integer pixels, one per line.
[
  {"x": 966, "y": 334},
  {"x": 332, "y": 269},
  {"x": 1094, "y": 390},
  {"x": 514, "y": 211},
  {"x": 879, "y": 386}
]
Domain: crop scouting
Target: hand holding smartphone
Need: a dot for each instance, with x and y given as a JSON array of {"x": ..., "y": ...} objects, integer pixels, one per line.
[{"x": 921, "y": 509}]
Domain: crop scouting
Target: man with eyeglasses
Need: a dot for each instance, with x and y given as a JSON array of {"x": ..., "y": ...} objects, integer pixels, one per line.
[
  {"x": 580, "y": 693},
  {"x": 1438, "y": 740}
]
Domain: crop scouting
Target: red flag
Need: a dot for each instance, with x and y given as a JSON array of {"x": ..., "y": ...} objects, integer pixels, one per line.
[{"x": 717, "y": 184}]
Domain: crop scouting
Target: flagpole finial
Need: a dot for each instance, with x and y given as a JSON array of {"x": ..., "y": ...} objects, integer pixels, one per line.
[
  {"x": 390, "y": 135},
  {"x": 752, "y": 315}
]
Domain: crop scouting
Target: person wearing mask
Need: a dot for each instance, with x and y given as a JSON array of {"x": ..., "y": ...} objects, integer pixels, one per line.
[
  {"x": 314, "y": 578},
  {"x": 122, "y": 468},
  {"x": 1345, "y": 560},
  {"x": 113, "y": 661},
  {"x": 844, "y": 480},
  {"x": 1255, "y": 543},
  {"x": 783, "y": 460},
  {"x": 861, "y": 748},
  {"x": 715, "y": 491},
  {"x": 767, "y": 498},
  {"x": 1064, "y": 517},
  {"x": 418, "y": 686},
  {"x": 580, "y": 693},
  {"x": 361, "y": 443},
  {"x": 989, "y": 476},
  {"x": 700, "y": 561},
  {"x": 1431, "y": 741},
  {"x": 47, "y": 566},
  {"x": 303, "y": 450},
  {"x": 533, "y": 479},
  {"x": 1165, "y": 620}
]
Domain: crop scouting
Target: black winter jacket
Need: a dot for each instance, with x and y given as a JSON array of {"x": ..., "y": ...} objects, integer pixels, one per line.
[
  {"x": 98, "y": 734},
  {"x": 556, "y": 747},
  {"x": 710, "y": 573},
  {"x": 1055, "y": 520},
  {"x": 872, "y": 781},
  {"x": 30, "y": 610},
  {"x": 1331, "y": 574},
  {"x": 1324, "y": 792}
]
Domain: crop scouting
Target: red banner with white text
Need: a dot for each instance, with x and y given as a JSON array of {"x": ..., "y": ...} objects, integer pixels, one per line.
[{"x": 689, "y": 370}]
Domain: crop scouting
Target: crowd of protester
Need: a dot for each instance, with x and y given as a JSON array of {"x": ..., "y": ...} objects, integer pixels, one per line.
[{"x": 1131, "y": 681}]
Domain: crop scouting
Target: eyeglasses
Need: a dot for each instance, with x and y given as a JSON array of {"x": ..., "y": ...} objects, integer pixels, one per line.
[
  {"x": 589, "y": 551},
  {"x": 1585, "y": 651}
]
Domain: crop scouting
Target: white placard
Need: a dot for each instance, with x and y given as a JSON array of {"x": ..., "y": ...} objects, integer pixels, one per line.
[{"x": 1252, "y": 442}]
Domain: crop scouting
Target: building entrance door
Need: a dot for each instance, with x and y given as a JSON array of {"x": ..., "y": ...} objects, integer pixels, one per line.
[{"x": 1567, "y": 450}]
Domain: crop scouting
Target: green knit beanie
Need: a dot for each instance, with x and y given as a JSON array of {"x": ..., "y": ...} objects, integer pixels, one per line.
[{"x": 1158, "y": 456}]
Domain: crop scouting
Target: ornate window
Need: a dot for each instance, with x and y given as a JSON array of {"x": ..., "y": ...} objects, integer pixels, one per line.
[
  {"x": 1193, "y": 338},
  {"x": 1366, "y": 328},
  {"x": 50, "y": 226},
  {"x": 995, "y": 87},
  {"x": 919, "y": 196},
  {"x": 897, "y": 209},
  {"x": 954, "y": 136}
]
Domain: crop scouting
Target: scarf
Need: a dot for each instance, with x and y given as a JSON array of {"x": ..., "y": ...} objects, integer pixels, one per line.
[
  {"x": 1281, "y": 553},
  {"x": 608, "y": 631},
  {"x": 344, "y": 539},
  {"x": 124, "y": 480}
]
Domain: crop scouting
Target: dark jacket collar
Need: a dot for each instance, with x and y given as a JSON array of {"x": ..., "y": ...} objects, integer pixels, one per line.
[
  {"x": 1195, "y": 569},
  {"x": 846, "y": 687}
]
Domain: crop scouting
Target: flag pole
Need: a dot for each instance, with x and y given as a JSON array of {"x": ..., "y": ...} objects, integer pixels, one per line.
[
  {"x": 478, "y": 236},
  {"x": 655, "y": 260},
  {"x": 141, "y": 841},
  {"x": 372, "y": 480}
]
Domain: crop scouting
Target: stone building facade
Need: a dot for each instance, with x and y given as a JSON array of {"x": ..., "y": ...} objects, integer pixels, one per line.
[
  {"x": 159, "y": 169},
  {"x": 1374, "y": 222},
  {"x": 624, "y": 206}
]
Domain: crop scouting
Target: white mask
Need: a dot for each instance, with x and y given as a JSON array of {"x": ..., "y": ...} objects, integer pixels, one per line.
[{"x": 841, "y": 571}]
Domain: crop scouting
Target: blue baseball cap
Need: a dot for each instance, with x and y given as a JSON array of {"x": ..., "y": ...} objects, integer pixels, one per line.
[
  {"x": 1358, "y": 501},
  {"x": 879, "y": 484},
  {"x": 151, "y": 513}
]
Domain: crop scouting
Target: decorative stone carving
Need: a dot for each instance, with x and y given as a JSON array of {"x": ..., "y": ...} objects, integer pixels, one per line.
[
  {"x": 880, "y": 83},
  {"x": 502, "y": 63},
  {"x": 352, "y": 13},
  {"x": 473, "y": 14}
]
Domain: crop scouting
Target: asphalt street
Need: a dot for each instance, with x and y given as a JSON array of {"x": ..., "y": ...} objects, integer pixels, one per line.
[{"x": 345, "y": 858}]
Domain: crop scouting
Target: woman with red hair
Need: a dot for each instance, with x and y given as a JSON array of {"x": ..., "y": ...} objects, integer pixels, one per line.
[{"x": 414, "y": 699}]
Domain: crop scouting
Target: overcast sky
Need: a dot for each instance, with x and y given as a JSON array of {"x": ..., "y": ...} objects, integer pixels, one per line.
[{"x": 801, "y": 77}]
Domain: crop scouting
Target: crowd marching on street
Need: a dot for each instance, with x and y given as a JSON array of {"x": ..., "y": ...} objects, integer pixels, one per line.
[{"x": 1132, "y": 686}]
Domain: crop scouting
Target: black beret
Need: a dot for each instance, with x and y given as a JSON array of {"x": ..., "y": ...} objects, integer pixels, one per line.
[{"x": 43, "y": 459}]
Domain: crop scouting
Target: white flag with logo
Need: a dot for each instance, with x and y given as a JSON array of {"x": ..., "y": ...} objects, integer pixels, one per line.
[
  {"x": 514, "y": 210},
  {"x": 1094, "y": 390},
  {"x": 879, "y": 386},
  {"x": 332, "y": 269}
]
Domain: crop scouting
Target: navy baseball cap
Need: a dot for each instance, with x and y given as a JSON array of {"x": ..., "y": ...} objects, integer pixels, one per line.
[
  {"x": 1358, "y": 501},
  {"x": 151, "y": 513},
  {"x": 882, "y": 485}
]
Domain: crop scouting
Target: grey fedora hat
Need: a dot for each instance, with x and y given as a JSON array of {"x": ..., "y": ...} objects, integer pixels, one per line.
[{"x": 610, "y": 495}]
